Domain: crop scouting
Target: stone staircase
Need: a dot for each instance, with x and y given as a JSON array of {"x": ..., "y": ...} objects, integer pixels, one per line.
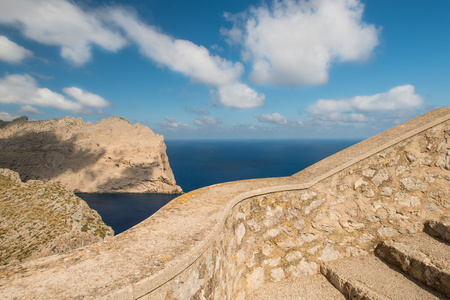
[{"x": 415, "y": 266}]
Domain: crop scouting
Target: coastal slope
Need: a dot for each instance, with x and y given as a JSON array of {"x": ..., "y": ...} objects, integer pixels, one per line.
[
  {"x": 110, "y": 156},
  {"x": 38, "y": 219}
]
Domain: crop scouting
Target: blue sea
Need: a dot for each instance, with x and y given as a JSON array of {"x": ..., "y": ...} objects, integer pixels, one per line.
[{"x": 199, "y": 163}]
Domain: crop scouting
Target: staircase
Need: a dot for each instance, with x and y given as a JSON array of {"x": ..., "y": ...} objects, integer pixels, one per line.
[{"x": 415, "y": 266}]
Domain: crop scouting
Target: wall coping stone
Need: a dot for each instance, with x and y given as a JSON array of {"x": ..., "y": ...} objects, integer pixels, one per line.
[{"x": 141, "y": 259}]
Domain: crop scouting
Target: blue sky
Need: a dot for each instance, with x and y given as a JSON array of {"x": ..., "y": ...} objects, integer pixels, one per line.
[{"x": 227, "y": 69}]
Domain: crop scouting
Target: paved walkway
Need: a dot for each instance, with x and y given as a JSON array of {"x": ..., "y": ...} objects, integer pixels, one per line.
[{"x": 310, "y": 287}]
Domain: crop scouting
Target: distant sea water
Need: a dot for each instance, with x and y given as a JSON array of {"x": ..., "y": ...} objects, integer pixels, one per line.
[{"x": 200, "y": 163}]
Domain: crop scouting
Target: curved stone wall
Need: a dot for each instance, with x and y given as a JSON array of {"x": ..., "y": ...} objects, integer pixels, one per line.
[{"x": 223, "y": 241}]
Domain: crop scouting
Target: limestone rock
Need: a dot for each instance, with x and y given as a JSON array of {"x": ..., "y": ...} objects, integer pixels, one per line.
[
  {"x": 255, "y": 279},
  {"x": 277, "y": 274},
  {"x": 411, "y": 184},
  {"x": 109, "y": 156},
  {"x": 294, "y": 255},
  {"x": 39, "y": 219},
  {"x": 267, "y": 249},
  {"x": 384, "y": 232},
  {"x": 303, "y": 268},
  {"x": 329, "y": 254},
  {"x": 240, "y": 232},
  {"x": 314, "y": 205},
  {"x": 381, "y": 176},
  {"x": 359, "y": 183}
]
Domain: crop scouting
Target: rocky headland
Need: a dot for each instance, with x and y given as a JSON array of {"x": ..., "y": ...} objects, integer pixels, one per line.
[
  {"x": 110, "y": 156},
  {"x": 38, "y": 219}
]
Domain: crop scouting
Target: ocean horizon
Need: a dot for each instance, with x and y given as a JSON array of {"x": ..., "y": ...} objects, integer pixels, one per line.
[{"x": 200, "y": 163}]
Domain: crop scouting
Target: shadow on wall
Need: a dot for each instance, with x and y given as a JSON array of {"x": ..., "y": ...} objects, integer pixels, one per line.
[{"x": 43, "y": 155}]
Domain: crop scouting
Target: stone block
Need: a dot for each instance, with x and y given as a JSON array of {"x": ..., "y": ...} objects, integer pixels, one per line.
[
  {"x": 386, "y": 232},
  {"x": 329, "y": 254},
  {"x": 277, "y": 274},
  {"x": 368, "y": 173},
  {"x": 412, "y": 184},
  {"x": 381, "y": 176},
  {"x": 240, "y": 232},
  {"x": 303, "y": 268},
  {"x": 293, "y": 256}
]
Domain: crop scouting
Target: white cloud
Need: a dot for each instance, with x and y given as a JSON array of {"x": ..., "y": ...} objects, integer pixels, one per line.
[
  {"x": 398, "y": 98},
  {"x": 28, "y": 109},
  {"x": 238, "y": 95},
  {"x": 172, "y": 124},
  {"x": 60, "y": 23},
  {"x": 232, "y": 36},
  {"x": 7, "y": 116},
  {"x": 354, "y": 109},
  {"x": 339, "y": 118},
  {"x": 86, "y": 98},
  {"x": 24, "y": 90},
  {"x": 207, "y": 121},
  {"x": 294, "y": 42},
  {"x": 11, "y": 52},
  {"x": 193, "y": 61},
  {"x": 182, "y": 56},
  {"x": 64, "y": 24},
  {"x": 274, "y": 118}
]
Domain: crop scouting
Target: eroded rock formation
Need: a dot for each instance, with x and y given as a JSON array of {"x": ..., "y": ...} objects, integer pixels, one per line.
[
  {"x": 109, "y": 156},
  {"x": 38, "y": 219}
]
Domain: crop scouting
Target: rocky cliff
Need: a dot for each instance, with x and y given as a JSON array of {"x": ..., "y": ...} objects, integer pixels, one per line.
[
  {"x": 39, "y": 219},
  {"x": 109, "y": 156}
]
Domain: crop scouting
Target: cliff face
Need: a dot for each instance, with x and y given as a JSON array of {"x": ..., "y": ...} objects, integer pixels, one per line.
[
  {"x": 110, "y": 156},
  {"x": 39, "y": 219}
]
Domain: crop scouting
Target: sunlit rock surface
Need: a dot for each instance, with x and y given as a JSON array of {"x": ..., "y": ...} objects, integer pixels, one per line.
[{"x": 109, "y": 156}]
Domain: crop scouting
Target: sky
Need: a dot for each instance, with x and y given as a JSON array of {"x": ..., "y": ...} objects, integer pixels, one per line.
[{"x": 229, "y": 69}]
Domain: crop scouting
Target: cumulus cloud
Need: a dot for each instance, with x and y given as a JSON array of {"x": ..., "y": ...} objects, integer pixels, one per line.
[
  {"x": 172, "y": 124},
  {"x": 60, "y": 23},
  {"x": 239, "y": 95},
  {"x": 4, "y": 116},
  {"x": 64, "y": 24},
  {"x": 11, "y": 52},
  {"x": 294, "y": 42},
  {"x": 207, "y": 121},
  {"x": 182, "y": 56},
  {"x": 193, "y": 61},
  {"x": 28, "y": 109},
  {"x": 86, "y": 98},
  {"x": 274, "y": 118},
  {"x": 24, "y": 90},
  {"x": 355, "y": 109}
]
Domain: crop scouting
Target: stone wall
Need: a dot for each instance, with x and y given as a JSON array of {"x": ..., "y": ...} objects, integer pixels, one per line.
[
  {"x": 228, "y": 239},
  {"x": 289, "y": 233}
]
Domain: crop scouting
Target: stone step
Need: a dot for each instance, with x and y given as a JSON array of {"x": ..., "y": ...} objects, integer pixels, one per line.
[
  {"x": 307, "y": 287},
  {"x": 439, "y": 229},
  {"x": 368, "y": 277},
  {"x": 421, "y": 256}
]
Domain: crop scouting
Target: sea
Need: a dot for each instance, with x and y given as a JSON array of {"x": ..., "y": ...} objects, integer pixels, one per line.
[{"x": 200, "y": 163}]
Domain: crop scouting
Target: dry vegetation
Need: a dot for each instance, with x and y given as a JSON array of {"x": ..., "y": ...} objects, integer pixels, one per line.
[{"x": 39, "y": 219}]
